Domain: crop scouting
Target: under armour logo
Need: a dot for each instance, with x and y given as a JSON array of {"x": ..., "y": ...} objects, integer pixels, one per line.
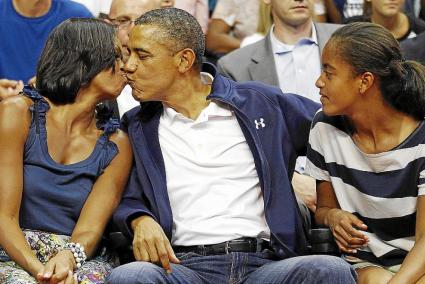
[{"x": 259, "y": 123}]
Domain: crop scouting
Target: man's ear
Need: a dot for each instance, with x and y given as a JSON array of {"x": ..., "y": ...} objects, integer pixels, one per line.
[{"x": 185, "y": 59}]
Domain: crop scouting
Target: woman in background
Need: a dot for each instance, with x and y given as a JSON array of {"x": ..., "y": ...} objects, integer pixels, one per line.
[{"x": 389, "y": 15}]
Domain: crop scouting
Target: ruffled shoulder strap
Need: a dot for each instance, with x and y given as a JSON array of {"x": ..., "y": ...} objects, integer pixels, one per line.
[
  {"x": 105, "y": 121},
  {"x": 39, "y": 108}
]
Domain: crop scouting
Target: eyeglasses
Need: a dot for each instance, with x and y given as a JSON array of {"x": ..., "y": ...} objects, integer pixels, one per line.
[{"x": 121, "y": 23}]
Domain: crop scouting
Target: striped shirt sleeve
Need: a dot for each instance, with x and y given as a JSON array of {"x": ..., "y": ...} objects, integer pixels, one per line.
[
  {"x": 421, "y": 183},
  {"x": 316, "y": 164}
]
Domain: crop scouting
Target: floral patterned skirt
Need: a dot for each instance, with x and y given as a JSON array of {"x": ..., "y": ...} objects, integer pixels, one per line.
[{"x": 45, "y": 245}]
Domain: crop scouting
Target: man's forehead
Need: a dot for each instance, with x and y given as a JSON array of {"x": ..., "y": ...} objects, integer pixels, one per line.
[
  {"x": 142, "y": 35},
  {"x": 145, "y": 32}
]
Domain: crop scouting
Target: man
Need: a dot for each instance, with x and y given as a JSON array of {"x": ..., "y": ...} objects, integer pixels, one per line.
[
  {"x": 24, "y": 27},
  {"x": 289, "y": 58},
  {"x": 122, "y": 14},
  {"x": 209, "y": 197}
]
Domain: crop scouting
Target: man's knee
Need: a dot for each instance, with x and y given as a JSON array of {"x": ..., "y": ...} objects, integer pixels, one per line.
[
  {"x": 136, "y": 272},
  {"x": 323, "y": 269},
  {"x": 328, "y": 269}
]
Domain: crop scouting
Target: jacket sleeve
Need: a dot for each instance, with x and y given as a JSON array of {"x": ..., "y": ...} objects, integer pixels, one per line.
[
  {"x": 298, "y": 113},
  {"x": 132, "y": 204}
]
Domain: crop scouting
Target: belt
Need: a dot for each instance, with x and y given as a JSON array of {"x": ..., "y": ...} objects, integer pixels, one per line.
[{"x": 237, "y": 245}]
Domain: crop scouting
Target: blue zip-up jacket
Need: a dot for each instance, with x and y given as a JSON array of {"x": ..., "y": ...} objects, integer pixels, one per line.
[{"x": 276, "y": 128}]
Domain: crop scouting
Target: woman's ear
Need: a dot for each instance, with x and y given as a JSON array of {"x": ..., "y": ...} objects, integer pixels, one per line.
[{"x": 367, "y": 79}]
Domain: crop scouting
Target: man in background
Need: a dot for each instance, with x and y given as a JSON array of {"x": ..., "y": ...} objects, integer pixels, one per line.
[
  {"x": 122, "y": 14},
  {"x": 24, "y": 27}
]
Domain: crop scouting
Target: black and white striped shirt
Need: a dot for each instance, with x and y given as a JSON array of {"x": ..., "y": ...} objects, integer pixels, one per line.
[{"x": 381, "y": 189}]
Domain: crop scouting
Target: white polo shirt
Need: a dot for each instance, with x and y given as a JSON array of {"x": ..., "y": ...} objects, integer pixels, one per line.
[{"x": 212, "y": 182}]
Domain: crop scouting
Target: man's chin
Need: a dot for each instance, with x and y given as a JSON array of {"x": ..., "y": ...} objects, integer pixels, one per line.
[
  {"x": 137, "y": 96},
  {"x": 299, "y": 20}
]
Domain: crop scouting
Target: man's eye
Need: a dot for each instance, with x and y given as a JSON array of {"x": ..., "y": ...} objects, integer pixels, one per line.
[{"x": 328, "y": 75}]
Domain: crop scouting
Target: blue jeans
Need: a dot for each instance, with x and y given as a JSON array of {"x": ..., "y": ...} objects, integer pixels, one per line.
[{"x": 237, "y": 267}]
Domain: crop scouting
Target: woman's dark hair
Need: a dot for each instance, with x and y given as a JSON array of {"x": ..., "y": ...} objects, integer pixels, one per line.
[
  {"x": 75, "y": 52},
  {"x": 368, "y": 47}
]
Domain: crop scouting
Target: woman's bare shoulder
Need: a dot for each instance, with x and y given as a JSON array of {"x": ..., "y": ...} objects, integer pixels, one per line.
[{"x": 14, "y": 110}]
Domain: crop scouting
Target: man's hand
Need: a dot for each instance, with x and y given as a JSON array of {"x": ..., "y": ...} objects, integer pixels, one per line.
[
  {"x": 305, "y": 188},
  {"x": 150, "y": 243},
  {"x": 59, "y": 269},
  {"x": 347, "y": 230},
  {"x": 9, "y": 88}
]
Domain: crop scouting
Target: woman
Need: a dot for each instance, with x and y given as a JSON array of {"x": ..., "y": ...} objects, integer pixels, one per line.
[
  {"x": 388, "y": 14},
  {"x": 63, "y": 171},
  {"x": 366, "y": 151}
]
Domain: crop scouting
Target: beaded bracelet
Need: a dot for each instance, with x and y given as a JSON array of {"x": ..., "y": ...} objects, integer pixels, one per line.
[{"x": 78, "y": 252}]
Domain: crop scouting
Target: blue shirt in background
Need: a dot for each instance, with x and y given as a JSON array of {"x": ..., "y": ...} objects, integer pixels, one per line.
[{"x": 22, "y": 39}]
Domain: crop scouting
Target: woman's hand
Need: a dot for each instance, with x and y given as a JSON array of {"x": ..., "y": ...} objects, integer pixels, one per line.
[
  {"x": 59, "y": 269},
  {"x": 347, "y": 230}
]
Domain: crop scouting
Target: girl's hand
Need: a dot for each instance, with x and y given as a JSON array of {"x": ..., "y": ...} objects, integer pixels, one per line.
[{"x": 347, "y": 230}]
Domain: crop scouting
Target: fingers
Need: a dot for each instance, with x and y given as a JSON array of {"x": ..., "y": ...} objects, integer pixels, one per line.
[
  {"x": 171, "y": 256},
  {"x": 136, "y": 251},
  {"x": 60, "y": 274},
  {"x": 163, "y": 256},
  {"x": 358, "y": 223},
  {"x": 343, "y": 245},
  {"x": 343, "y": 248},
  {"x": 19, "y": 86},
  {"x": 5, "y": 83},
  {"x": 350, "y": 235},
  {"x": 48, "y": 270},
  {"x": 153, "y": 250},
  {"x": 9, "y": 88},
  {"x": 140, "y": 247},
  {"x": 151, "y": 244}
]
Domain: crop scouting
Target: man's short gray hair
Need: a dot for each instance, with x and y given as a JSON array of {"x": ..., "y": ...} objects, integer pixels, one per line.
[{"x": 178, "y": 29}]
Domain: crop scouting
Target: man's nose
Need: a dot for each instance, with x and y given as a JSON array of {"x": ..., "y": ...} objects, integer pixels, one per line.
[{"x": 129, "y": 66}]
